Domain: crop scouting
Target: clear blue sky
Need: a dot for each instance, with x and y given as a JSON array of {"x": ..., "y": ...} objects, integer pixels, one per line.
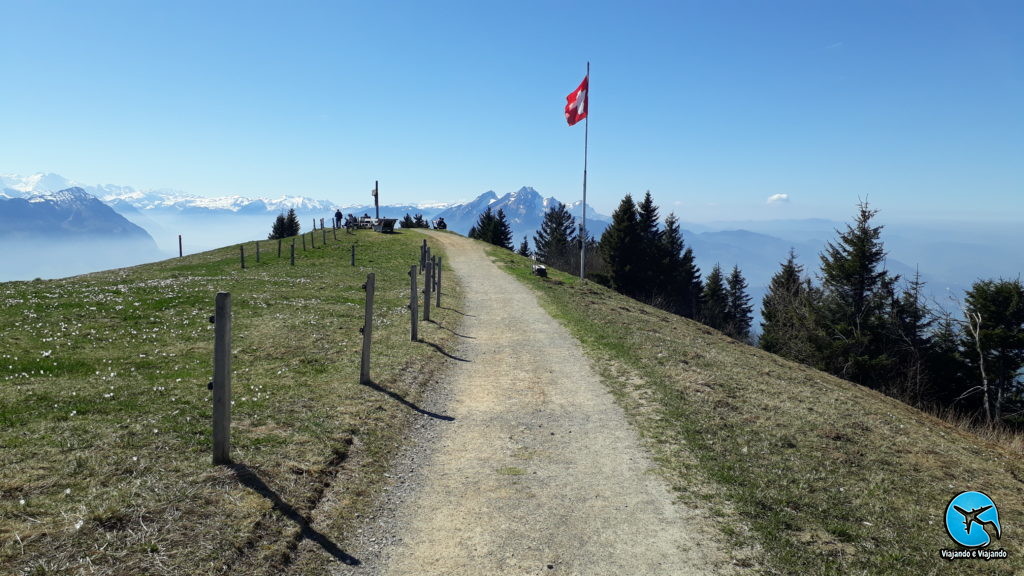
[{"x": 714, "y": 106}]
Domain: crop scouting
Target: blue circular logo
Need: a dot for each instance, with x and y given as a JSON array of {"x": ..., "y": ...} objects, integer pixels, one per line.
[{"x": 972, "y": 520}]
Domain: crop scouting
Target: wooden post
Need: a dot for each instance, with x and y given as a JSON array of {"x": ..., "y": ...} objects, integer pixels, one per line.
[
  {"x": 335, "y": 232},
  {"x": 312, "y": 239},
  {"x": 367, "y": 330},
  {"x": 180, "y": 253},
  {"x": 423, "y": 255},
  {"x": 293, "y": 252},
  {"x": 414, "y": 301},
  {"x": 321, "y": 223},
  {"x": 427, "y": 281},
  {"x": 324, "y": 231},
  {"x": 278, "y": 247},
  {"x": 353, "y": 254},
  {"x": 426, "y": 259},
  {"x": 437, "y": 273},
  {"x": 222, "y": 379},
  {"x": 314, "y": 224},
  {"x": 241, "y": 248},
  {"x": 257, "y": 251},
  {"x": 303, "y": 242}
]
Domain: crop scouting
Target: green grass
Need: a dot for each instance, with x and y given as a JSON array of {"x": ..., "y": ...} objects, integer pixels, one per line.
[
  {"x": 818, "y": 475},
  {"x": 105, "y": 414}
]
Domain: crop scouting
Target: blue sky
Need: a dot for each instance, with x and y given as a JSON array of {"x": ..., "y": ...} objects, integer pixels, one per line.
[{"x": 713, "y": 106}]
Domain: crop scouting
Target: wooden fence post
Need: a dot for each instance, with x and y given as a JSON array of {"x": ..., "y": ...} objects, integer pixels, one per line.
[
  {"x": 414, "y": 300},
  {"x": 353, "y": 254},
  {"x": 293, "y": 252},
  {"x": 427, "y": 281},
  {"x": 324, "y": 231},
  {"x": 278, "y": 247},
  {"x": 303, "y": 242},
  {"x": 180, "y": 253},
  {"x": 241, "y": 248},
  {"x": 312, "y": 238},
  {"x": 367, "y": 330},
  {"x": 335, "y": 232},
  {"x": 257, "y": 251},
  {"x": 221, "y": 384},
  {"x": 423, "y": 256}
]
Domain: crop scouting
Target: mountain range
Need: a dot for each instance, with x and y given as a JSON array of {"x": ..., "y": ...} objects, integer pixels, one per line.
[{"x": 950, "y": 255}]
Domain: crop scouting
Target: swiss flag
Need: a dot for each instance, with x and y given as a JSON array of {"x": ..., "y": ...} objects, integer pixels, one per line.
[{"x": 576, "y": 103}]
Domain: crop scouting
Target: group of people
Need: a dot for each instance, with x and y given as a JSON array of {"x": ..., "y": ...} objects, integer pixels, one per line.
[{"x": 349, "y": 223}]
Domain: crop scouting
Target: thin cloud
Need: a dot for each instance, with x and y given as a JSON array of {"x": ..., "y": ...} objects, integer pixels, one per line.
[
  {"x": 834, "y": 45},
  {"x": 778, "y": 199}
]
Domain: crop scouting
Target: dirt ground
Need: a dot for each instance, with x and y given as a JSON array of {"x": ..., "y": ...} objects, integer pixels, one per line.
[{"x": 532, "y": 468}]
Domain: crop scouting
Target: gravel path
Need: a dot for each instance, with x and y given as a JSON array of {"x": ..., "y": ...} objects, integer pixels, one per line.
[{"x": 539, "y": 472}]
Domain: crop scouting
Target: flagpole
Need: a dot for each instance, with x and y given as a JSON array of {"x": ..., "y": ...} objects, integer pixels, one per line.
[{"x": 586, "y": 138}]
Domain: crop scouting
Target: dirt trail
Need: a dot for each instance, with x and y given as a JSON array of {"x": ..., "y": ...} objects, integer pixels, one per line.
[{"x": 539, "y": 473}]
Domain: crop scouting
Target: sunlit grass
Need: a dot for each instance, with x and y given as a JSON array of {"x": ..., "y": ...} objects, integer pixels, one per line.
[
  {"x": 830, "y": 478},
  {"x": 105, "y": 412}
]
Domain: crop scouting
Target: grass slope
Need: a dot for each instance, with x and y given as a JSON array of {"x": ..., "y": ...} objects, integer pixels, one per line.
[
  {"x": 105, "y": 413},
  {"x": 831, "y": 477}
]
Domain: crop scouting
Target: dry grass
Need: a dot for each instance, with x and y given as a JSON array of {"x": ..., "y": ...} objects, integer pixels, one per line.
[
  {"x": 105, "y": 413},
  {"x": 831, "y": 477}
]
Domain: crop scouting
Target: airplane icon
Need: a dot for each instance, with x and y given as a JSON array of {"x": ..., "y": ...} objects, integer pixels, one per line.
[{"x": 972, "y": 518}]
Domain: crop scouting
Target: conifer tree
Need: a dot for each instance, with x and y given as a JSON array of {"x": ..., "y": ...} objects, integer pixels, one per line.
[
  {"x": 996, "y": 352},
  {"x": 408, "y": 222},
  {"x": 419, "y": 221},
  {"x": 524, "y": 248},
  {"x": 856, "y": 291},
  {"x": 649, "y": 255},
  {"x": 501, "y": 234},
  {"x": 715, "y": 300},
  {"x": 279, "y": 229},
  {"x": 908, "y": 344},
  {"x": 292, "y": 226},
  {"x": 689, "y": 305},
  {"x": 787, "y": 312},
  {"x": 738, "y": 309},
  {"x": 552, "y": 241},
  {"x": 620, "y": 245},
  {"x": 484, "y": 227}
]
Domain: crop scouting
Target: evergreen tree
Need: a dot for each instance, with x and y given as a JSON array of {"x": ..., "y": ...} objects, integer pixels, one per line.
[
  {"x": 292, "y": 226},
  {"x": 552, "y": 241},
  {"x": 947, "y": 364},
  {"x": 501, "y": 234},
  {"x": 738, "y": 309},
  {"x": 419, "y": 221},
  {"x": 524, "y": 248},
  {"x": 690, "y": 303},
  {"x": 994, "y": 348},
  {"x": 484, "y": 227},
  {"x": 279, "y": 229},
  {"x": 714, "y": 309},
  {"x": 650, "y": 255},
  {"x": 620, "y": 245},
  {"x": 856, "y": 293},
  {"x": 909, "y": 338},
  {"x": 408, "y": 222},
  {"x": 787, "y": 326}
]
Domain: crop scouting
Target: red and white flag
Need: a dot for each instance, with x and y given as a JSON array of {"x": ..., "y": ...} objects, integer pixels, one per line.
[{"x": 576, "y": 103}]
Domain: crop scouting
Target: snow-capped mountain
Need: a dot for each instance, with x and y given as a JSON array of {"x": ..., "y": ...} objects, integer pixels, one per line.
[
  {"x": 69, "y": 212},
  {"x": 524, "y": 210}
]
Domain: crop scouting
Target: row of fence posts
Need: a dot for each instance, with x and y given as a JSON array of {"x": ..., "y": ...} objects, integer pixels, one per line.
[
  {"x": 241, "y": 248},
  {"x": 430, "y": 266}
]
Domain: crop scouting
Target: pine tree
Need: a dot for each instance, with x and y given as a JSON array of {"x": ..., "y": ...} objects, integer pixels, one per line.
[
  {"x": 279, "y": 229},
  {"x": 649, "y": 255},
  {"x": 674, "y": 287},
  {"x": 996, "y": 355},
  {"x": 524, "y": 248},
  {"x": 419, "y": 221},
  {"x": 552, "y": 241},
  {"x": 408, "y": 222},
  {"x": 691, "y": 302},
  {"x": 292, "y": 226},
  {"x": 620, "y": 245},
  {"x": 501, "y": 234},
  {"x": 908, "y": 343},
  {"x": 484, "y": 227},
  {"x": 715, "y": 300},
  {"x": 787, "y": 325},
  {"x": 738, "y": 309},
  {"x": 856, "y": 292}
]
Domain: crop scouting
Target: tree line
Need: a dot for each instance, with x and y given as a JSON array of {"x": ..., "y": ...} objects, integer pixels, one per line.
[{"x": 856, "y": 321}]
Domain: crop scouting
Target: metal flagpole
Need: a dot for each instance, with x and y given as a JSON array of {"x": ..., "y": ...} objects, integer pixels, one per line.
[{"x": 586, "y": 136}]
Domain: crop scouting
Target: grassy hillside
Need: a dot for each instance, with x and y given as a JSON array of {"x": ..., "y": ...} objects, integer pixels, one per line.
[
  {"x": 827, "y": 476},
  {"x": 105, "y": 413}
]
